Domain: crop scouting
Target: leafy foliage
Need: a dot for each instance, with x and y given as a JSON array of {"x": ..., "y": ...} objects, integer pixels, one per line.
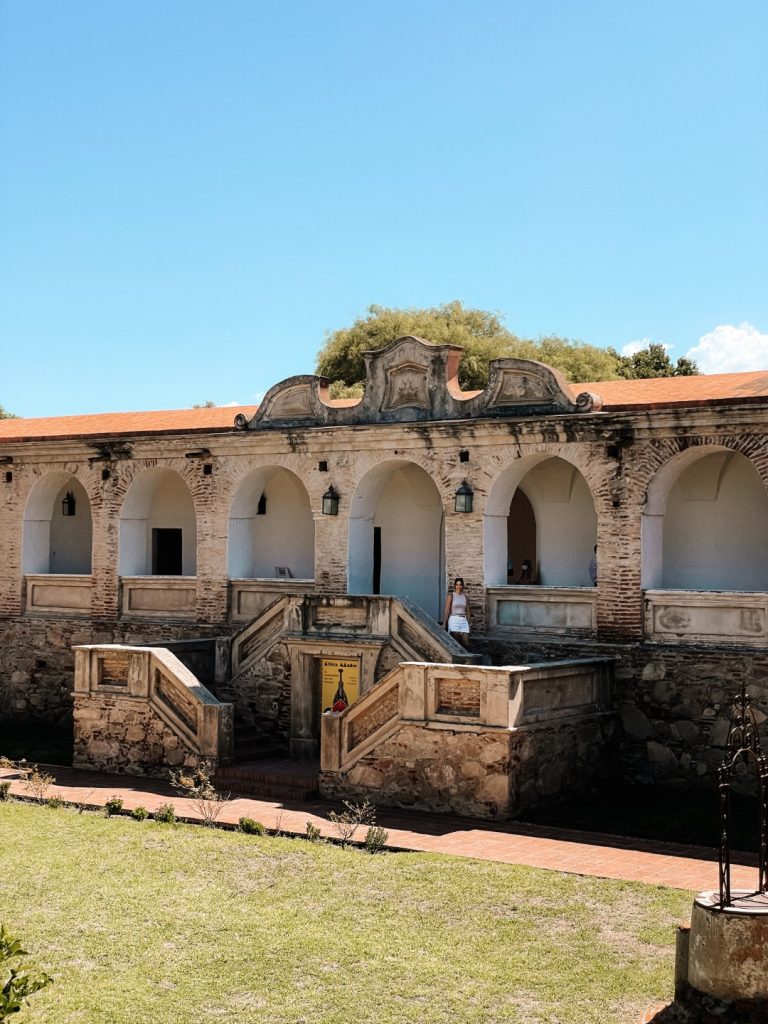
[
  {"x": 347, "y": 822},
  {"x": 481, "y": 334},
  {"x": 19, "y": 984},
  {"x": 6, "y": 415},
  {"x": 165, "y": 814},
  {"x": 139, "y": 813},
  {"x": 207, "y": 404},
  {"x": 653, "y": 361},
  {"x": 113, "y": 806},
  {"x": 251, "y": 827}
]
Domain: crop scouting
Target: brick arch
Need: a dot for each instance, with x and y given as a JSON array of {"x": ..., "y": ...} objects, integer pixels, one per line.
[
  {"x": 399, "y": 498},
  {"x": 154, "y": 495},
  {"x": 564, "y": 507},
  {"x": 51, "y": 541},
  {"x": 706, "y": 517},
  {"x": 280, "y": 533}
]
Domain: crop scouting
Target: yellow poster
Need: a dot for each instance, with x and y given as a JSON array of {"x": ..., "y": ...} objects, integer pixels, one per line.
[{"x": 341, "y": 682}]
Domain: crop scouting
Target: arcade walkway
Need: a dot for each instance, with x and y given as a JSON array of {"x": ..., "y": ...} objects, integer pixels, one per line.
[{"x": 582, "y": 853}]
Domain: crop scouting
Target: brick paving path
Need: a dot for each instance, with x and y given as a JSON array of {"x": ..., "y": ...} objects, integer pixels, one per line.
[{"x": 557, "y": 849}]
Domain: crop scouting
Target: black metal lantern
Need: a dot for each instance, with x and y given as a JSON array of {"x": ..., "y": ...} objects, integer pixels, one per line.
[
  {"x": 68, "y": 505},
  {"x": 462, "y": 501},
  {"x": 330, "y": 502}
]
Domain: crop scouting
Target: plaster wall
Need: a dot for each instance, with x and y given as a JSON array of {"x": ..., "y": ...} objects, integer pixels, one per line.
[
  {"x": 716, "y": 527},
  {"x": 283, "y": 536},
  {"x": 158, "y": 499},
  {"x": 53, "y": 542}
]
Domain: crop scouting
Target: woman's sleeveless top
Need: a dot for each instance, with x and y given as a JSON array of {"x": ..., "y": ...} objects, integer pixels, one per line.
[{"x": 459, "y": 604}]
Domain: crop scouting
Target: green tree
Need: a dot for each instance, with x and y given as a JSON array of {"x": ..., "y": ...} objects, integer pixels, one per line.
[
  {"x": 207, "y": 404},
  {"x": 653, "y": 361},
  {"x": 481, "y": 334},
  {"x": 5, "y": 415}
]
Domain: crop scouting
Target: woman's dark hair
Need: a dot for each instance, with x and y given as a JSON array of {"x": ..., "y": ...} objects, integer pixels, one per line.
[{"x": 459, "y": 579}]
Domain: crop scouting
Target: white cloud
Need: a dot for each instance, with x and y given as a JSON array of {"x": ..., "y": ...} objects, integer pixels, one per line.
[
  {"x": 231, "y": 405},
  {"x": 731, "y": 349},
  {"x": 636, "y": 346}
]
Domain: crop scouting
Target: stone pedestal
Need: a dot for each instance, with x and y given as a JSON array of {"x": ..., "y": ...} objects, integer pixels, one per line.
[{"x": 728, "y": 950}]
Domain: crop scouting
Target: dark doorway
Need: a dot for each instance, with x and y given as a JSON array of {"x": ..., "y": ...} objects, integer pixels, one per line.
[
  {"x": 377, "y": 560},
  {"x": 521, "y": 535},
  {"x": 166, "y": 552}
]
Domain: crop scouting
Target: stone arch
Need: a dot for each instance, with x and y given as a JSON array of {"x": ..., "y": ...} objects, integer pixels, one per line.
[
  {"x": 158, "y": 526},
  {"x": 271, "y": 524},
  {"x": 565, "y": 521},
  {"x": 52, "y": 541},
  {"x": 705, "y": 523},
  {"x": 396, "y": 535}
]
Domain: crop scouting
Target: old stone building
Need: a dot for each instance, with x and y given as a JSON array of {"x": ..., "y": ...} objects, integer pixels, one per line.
[{"x": 259, "y": 543}]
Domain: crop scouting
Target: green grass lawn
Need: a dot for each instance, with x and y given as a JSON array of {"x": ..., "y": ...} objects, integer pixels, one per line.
[{"x": 141, "y": 922}]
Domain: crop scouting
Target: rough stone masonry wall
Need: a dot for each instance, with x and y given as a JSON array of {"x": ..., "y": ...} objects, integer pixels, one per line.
[
  {"x": 674, "y": 702},
  {"x": 484, "y": 773},
  {"x": 37, "y": 663},
  {"x": 117, "y": 734}
]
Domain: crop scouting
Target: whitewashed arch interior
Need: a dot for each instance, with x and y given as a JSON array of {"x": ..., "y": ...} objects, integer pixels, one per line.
[
  {"x": 282, "y": 534},
  {"x": 400, "y": 500},
  {"x": 706, "y": 524},
  {"x": 157, "y": 499},
  {"x": 53, "y": 542},
  {"x": 566, "y": 522}
]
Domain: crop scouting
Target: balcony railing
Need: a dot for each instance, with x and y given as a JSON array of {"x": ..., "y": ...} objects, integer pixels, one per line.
[
  {"x": 68, "y": 594},
  {"x": 162, "y": 597},
  {"x": 561, "y": 610},
  {"x": 699, "y": 616}
]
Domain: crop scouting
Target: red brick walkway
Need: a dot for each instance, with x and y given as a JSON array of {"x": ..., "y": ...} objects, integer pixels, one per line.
[{"x": 582, "y": 853}]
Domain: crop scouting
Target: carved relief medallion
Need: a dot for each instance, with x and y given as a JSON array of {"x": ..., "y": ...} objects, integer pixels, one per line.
[
  {"x": 407, "y": 385},
  {"x": 516, "y": 387}
]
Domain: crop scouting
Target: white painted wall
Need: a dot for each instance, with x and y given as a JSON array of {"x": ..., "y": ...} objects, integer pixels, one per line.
[
  {"x": 566, "y": 522},
  {"x": 715, "y": 527},
  {"x": 158, "y": 499},
  {"x": 401, "y": 499},
  {"x": 54, "y": 543},
  {"x": 284, "y": 536}
]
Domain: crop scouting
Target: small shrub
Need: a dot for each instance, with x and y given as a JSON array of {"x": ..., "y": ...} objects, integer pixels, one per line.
[
  {"x": 139, "y": 813},
  {"x": 251, "y": 827},
  {"x": 5, "y": 790},
  {"x": 113, "y": 806},
  {"x": 38, "y": 782},
  {"x": 376, "y": 839},
  {"x": 197, "y": 785},
  {"x": 165, "y": 814},
  {"x": 54, "y": 802},
  {"x": 19, "y": 983},
  {"x": 350, "y": 820},
  {"x": 6, "y": 762},
  {"x": 313, "y": 833}
]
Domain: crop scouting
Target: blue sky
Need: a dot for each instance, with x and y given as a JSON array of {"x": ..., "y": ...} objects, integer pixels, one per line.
[{"x": 194, "y": 193}]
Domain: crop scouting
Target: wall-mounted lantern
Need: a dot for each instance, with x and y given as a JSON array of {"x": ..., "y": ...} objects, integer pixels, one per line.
[
  {"x": 462, "y": 500},
  {"x": 330, "y": 502},
  {"x": 68, "y": 505}
]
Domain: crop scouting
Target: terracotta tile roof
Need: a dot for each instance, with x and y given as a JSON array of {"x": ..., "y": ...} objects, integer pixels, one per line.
[
  {"x": 109, "y": 424},
  {"x": 716, "y": 388},
  {"x": 702, "y": 390}
]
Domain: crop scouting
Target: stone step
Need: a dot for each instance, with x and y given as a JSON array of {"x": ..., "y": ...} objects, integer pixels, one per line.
[{"x": 278, "y": 777}]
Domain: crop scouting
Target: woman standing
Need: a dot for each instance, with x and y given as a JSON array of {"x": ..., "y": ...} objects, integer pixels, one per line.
[{"x": 456, "y": 615}]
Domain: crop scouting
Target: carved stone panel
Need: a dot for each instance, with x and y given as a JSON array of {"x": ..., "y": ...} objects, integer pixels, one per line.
[{"x": 406, "y": 385}]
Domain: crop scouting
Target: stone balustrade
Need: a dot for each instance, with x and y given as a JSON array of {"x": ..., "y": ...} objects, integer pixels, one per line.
[
  {"x": 140, "y": 710},
  {"x": 166, "y": 597},
  {"x": 558, "y": 610},
  {"x": 68, "y": 594},
  {"x": 708, "y": 617}
]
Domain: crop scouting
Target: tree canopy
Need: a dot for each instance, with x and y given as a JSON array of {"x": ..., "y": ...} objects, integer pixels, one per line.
[
  {"x": 481, "y": 334},
  {"x": 653, "y": 361},
  {"x": 5, "y": 415}
]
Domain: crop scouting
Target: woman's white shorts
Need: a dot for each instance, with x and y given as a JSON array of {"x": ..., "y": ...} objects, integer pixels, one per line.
[{"x": 457, "y": 624}]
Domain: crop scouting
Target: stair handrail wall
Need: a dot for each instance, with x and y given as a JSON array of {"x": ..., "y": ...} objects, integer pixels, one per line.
[
  {"x": 460, "y": 696},
  {"x": 155, "y": 675}
]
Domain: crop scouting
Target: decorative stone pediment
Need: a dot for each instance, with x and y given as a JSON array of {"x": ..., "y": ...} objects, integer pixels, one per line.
[{"x": 412, "y": 380}]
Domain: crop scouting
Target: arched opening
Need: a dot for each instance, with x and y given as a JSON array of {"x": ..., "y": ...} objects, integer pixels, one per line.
[
  {"x": 396, "y": 540},
  {"x": 705, "y": 524},
  {"x": 521, "y": 535},
  {"x": 541, "y": 510},
  {"x": 271, "y": 527},
  {"x": 158, "y": 527},
  {"x": 58, "y": 532}
]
